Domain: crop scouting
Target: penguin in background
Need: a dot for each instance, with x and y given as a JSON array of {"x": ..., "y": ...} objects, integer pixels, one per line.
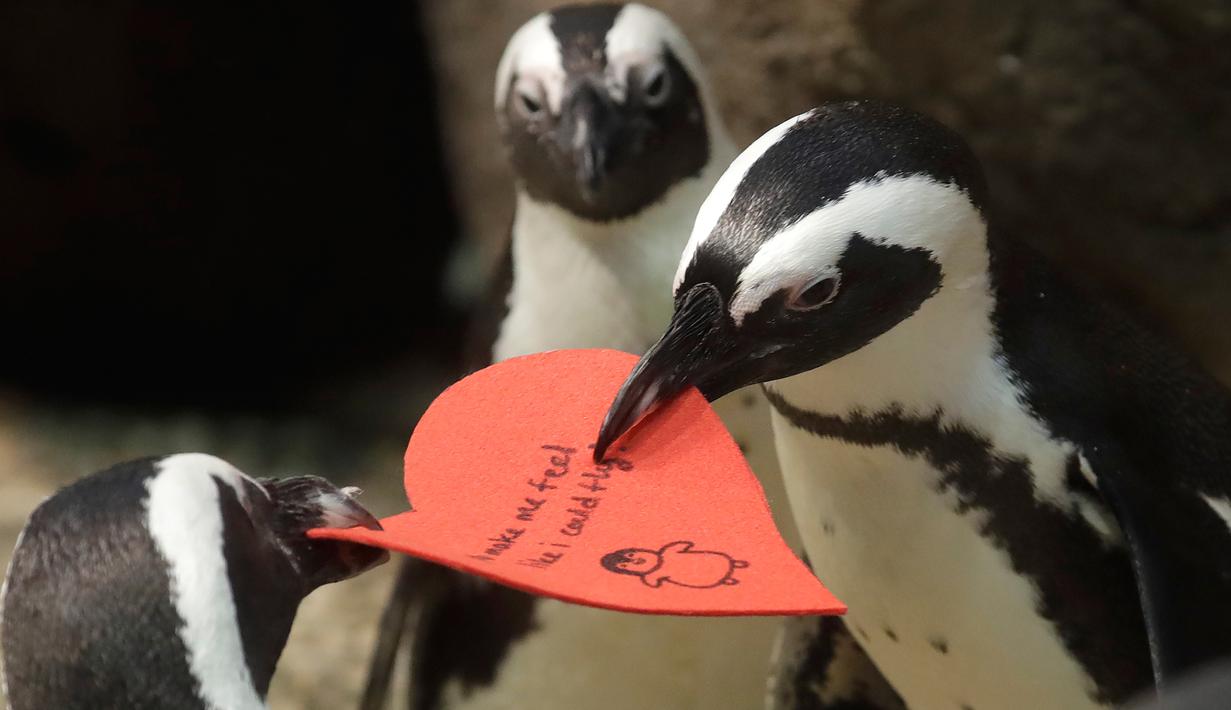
[
  {"x": 614, "y": 138},
  {"x": 1023, "y": 495},
  {"x": 167, "y": 583}
]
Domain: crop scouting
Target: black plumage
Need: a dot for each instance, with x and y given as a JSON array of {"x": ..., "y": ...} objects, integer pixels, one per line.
[
  {"x": 92, "y": 614},
  {"x": 1148, "y": 431}
]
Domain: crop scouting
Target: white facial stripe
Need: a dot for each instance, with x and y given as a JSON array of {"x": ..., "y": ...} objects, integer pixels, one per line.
[
  {"x": 533, "y": 53},
  {"x": 724, "y": 190},
  {"x": 185, "y": 522},
  {"x": 912, "y": 212},
  {"x": 638, "y": 37}
]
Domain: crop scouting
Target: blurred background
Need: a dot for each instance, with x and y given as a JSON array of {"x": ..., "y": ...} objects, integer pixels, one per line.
[{"x": 254, "y": 232}]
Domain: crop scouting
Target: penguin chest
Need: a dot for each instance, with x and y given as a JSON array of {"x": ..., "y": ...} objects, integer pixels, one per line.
[
  {"x": 934, "y": 602},
  {"x": 579, "y": 284},
  {"x": 579, "y": 304}
]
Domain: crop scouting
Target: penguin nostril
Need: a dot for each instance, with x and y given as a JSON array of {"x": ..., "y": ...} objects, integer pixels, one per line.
[
  {"x": 529, "y": 105},
  {"x": 656, "y": 87},
  {"x": 591, "y": 168}
]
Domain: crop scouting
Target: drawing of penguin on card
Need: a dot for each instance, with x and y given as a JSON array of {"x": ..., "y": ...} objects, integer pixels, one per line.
[{"x": 675, "y": 563}]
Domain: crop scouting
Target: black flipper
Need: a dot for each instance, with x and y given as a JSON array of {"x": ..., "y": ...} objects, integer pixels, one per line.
[
  {"x": 1155, "y": 430},
  {"x": 1182, "y": 563},
  {"x": 819, "y": 665},
  {"x": 463, "y": 635},
  {"x": 460, "y": 628},
  {"x": 389, "y": 635}
]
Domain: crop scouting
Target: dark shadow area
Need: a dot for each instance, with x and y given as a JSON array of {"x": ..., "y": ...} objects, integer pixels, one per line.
[{"x": 218, "y": 207}]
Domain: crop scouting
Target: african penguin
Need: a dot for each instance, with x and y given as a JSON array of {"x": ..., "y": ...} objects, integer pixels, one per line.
[
  {"x": 1023, "y": 495},
  {"x": 167, "y": 583},
  {"x": 615, "y": 140}
]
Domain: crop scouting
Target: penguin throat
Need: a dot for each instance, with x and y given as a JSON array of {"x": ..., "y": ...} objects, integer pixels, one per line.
[
  {"x": 943, "y": 356},
  {"x": 581, "y": 283},
  {"x": 944, "y": 360}
]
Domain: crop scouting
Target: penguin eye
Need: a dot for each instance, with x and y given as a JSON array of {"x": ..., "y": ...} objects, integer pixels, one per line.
[
  {"x": 656, "y": 86},
  {"x": 529, "y": 100},
  {"x": 815, "y": 295},
  {"x": 529, "y": 105}
]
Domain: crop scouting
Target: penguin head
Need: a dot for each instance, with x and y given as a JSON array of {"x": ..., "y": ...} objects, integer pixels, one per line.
[
  {"x": 301, "y": 503},
  {"x": 824, "y": 234},
  {"x": 271, "y": 563},
  {"x": 603, "y": 108},
  {"x": 167, "y": 582}
]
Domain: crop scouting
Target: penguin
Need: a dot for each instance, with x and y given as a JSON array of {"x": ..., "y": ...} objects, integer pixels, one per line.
[
  {"x": 1023, "y": 494},
  {"x": 614, "y": 139},
  {"x": 167, "y": 582}
]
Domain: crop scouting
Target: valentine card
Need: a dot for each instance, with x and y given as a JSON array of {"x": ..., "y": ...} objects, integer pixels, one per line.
[{"x": 501, "y": 478}]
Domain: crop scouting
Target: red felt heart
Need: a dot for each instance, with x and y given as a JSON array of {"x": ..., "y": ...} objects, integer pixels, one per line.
[{"x": 503, "y": 485}]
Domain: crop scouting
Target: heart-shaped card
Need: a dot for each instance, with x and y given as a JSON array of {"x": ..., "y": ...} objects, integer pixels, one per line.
[{"x": 501, "y": 475}]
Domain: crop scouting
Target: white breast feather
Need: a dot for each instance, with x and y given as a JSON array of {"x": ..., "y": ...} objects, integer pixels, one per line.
[
  {"x": 580, "y": 284},
  {"x": 900, "y": 554}
]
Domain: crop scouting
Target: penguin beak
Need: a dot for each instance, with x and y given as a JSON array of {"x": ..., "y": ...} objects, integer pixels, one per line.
[
  {"x": 590, "y": 128},
  {"x": 305, "y": 502},
  {"x": 339, "y": 509},
  {"x": 697, "y": 350}
]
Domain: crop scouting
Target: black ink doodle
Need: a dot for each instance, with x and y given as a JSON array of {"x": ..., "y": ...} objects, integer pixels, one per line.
[{"x": 676, "y": 563}]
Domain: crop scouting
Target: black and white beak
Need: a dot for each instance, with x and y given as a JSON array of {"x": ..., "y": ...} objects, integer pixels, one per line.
[
  {"x": 588, "y": 131},
  {"x": 701, "y": 349},
  {"x": 305, "y": 502}
]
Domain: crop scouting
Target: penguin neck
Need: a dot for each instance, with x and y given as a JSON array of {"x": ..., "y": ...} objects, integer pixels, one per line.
[
  {"x": 266, "y": 586},
  {"x": 266, "y": 603},
  {"x": 941, "y": 357},
  {"x": 945, "y": 361},
  {"x": 234, "y": 592},
  {"x": 583, "y": 283}
]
